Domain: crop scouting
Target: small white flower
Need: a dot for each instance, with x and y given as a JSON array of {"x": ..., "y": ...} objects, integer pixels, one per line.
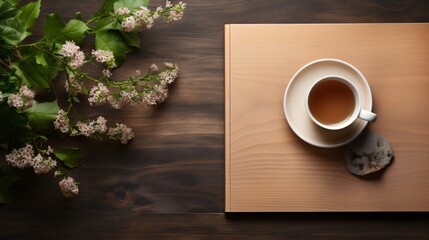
[
  {"x": 23, "y": 99},
  {"x": 1, "y": 96},
  {"x": 169, "y": 65},
  {"x": 144, "y": 17},
  {"x": 169, "y": 74},
  {"x": 72, "y": 51},
  {"x": 98, "y": 94},
  {"x": 43, "y": 165},
  {"x": 100, "y": 124},
  {"x": 87, "y": 129},
  {"x": 69, "y": 49},
  {"x": 153, "y": 67},
  {"x": 129, "y": 24},
  {"x": 104, "y": 56},
  {"x": 115, "y": 102},
  {"x": 26, "y": 92},
  {"x": 121, "y": 132},
  {"x": 157, "y": 12},
  {"x": 130, "y": 97},
  {"x": 62, "y": 122},
  {"x": 77, "y": 60},
  {"x": 107, "y": 73},
  {"x": 15, "y": 100},
  {"x": 49, "y": 150},
  {"x": 69, "y": 187},
  {"x": 122, "y": 11},
  {"x": 176, "y": 12},
  {"x": 58, "y": 173},
  {"x": 21, "y": 158},
  {"x": 73, "y": 85},
  {"x": 157, "y": 95},
  {"x": 84, "y": 129},
  {"x": 24, "y": 158}
]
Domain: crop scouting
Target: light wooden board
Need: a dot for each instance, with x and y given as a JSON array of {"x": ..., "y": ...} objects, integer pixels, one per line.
[{"x": 269, "y": 169}]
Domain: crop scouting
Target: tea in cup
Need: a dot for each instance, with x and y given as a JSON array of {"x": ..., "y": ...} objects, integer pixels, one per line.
[{"x": 334, "y": 103}]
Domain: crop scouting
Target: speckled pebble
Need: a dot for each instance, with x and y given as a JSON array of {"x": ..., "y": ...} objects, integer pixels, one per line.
[{"x": 369, "y": 153}]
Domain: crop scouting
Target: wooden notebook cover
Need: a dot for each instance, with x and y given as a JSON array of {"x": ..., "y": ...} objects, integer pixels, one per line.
[{"x": 270, "y": 169}]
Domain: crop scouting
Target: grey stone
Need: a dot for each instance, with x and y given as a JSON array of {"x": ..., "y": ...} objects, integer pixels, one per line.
[{"x": 369, "y": 153}]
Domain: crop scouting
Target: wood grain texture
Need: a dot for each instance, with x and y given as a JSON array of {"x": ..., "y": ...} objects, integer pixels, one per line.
[
  {"x": 227, "y": 120},
  {"x": 214, "y": 226},
  {"x": 271, "y": 170},
  {"x": 164, "y": 184}
]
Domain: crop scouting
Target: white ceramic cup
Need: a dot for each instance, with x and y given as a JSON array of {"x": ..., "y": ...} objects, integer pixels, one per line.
[{"x": 357, "y": 112}]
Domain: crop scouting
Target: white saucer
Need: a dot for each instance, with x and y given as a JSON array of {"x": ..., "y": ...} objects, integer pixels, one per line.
[{"x": 294, "y": 102}]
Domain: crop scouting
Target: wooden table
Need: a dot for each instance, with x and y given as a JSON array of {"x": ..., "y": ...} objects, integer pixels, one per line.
[{"x": 169, "y": 182}]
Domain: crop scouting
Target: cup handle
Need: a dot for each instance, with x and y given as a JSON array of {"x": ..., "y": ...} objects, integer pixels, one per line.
[{"x": 367, "y": 115}]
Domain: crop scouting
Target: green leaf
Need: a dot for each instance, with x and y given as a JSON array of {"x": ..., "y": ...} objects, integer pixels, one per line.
[
  {"x": 105, "y": 8},
  {"x": 29, "y": 14},
  {"x": 41, "y": 58},
  {"x": 75, "y": 99},
  {"x": 132, "y": 39},
  {"x": 110, "y": 5},
  {"x": 44, "y": 59},
  {"x": 14, "y": 126},
  {"x": 105, "y": 24},
  {"x": 69, "y": 156},
  {"x": 7, "y": 179},
  {"x": 42, "y": 115},
  {"x": 7, "y": 10},
  {"x": 57, "y": 32},
  {"x": 32, "y": 74},
  {"x": 13, "y": 2},
  {"x": 112, "y": 41},
  {"x": 74, "y": 30},
  {"x": 12, "y": 31},
  {"x": 130, "y": 4},
  {"x": 53, "y": 25},
  {"x": 109, "y": 36},
  {"x": 11, "y": 28}
]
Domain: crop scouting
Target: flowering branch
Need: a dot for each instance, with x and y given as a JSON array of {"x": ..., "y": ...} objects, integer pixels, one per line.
[{"x": 26, "y": 68}]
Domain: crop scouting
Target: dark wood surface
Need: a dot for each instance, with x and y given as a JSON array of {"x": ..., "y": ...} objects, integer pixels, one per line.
[{"x": 169, "y": 182}]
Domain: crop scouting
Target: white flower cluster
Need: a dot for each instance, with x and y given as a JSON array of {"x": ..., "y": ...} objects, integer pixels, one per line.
[
  {"x": 1, "y": 96},
  {"x": 62, "y": 122},
  {"x": 104, "y": 56},
  {"x": 81, "y": 128},
  {"x": 170, "y": 74},
  {"x": 121, "y": 132},
  {"x": 146, "y": 95},
  {"x": 25, "y": 157},
  {"x": 159, "y": 92},
  {"x": 69, "y": 187},
  {"x": 23, "y": 99},
  {"x": 91, "y": 128},
  {"x": 175, "y": 11},
  {"x": 122, "y": 11},
  {"x": 107, "y": 73},
  {"x": 76, "y": 59},
  {"x": 144, "y": 17},
  {"x": 74, "y": 85},
  {"x": 129, "y": 24},
  {"x": 98, "y": 94},
  {"x": 129, "y": 96},
  {"x": 72, "y": 51}
]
